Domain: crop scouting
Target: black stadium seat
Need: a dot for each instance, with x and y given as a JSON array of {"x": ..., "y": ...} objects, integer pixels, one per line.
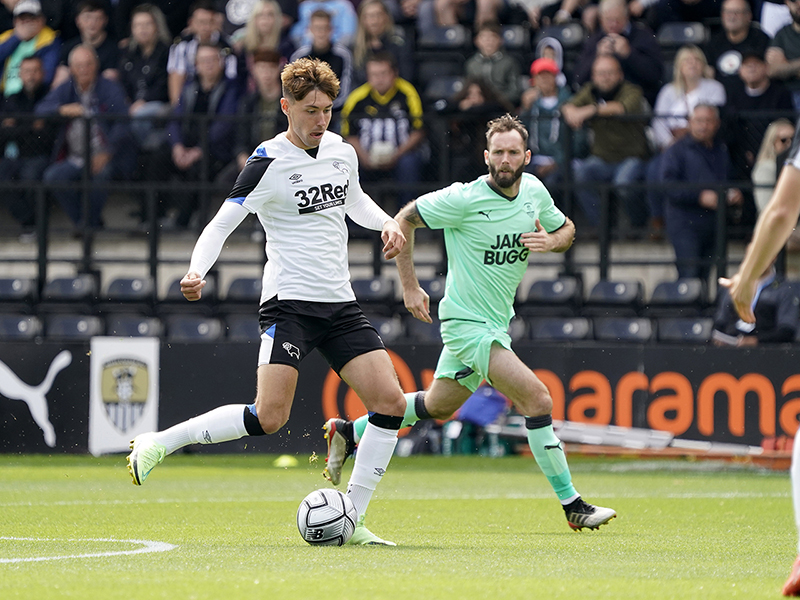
[
  {"x": 376, "y": 295},
  {"x": 17, "y": 294},
  {"x": 614, "y": 299},
  {"x": 128, "y": 295},
  {"x": 69, "y": 294},
  {"x": 560, "y": 328},
  {"x": 561, "y": 297},
  {"x": 193, "y": 328},
  {"x": 73, "y": 327},
  {"x": 390, "y": 329},
  {"x": 19, "y": 327},
  {"x": 690, "y": 330},
  {"x": 622, "y": 329},
  {"x": 682, "y": 298},
  {"x": 133, "y": 325}
]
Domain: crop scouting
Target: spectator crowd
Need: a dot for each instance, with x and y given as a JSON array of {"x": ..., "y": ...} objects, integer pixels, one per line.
[{"x": 175, "y": 92}]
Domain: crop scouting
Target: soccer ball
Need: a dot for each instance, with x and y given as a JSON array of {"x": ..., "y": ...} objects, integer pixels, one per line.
[{"x": 326, "y": 517}]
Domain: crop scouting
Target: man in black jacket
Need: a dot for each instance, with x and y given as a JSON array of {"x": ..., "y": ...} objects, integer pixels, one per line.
[{"x": 27, "y": 143}]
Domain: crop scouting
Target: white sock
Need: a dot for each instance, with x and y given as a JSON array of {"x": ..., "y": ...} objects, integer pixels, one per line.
[
  {"x": 374, "y": 453},
  {"x": 795, "y": 472},
  {"x": 219, "y": 425}
]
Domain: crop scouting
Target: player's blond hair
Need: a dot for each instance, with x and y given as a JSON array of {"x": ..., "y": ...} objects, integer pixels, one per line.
[
  {"x": 302, "y": 76},
  {"x": 503, "y": 124}
]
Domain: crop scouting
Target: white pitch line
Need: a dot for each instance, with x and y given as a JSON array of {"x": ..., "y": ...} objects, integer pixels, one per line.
[
  {"x": 148, "y": 546},
  {"x": 428, "y": 495}
]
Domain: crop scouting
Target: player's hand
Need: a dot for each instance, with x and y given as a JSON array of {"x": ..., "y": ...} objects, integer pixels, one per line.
[
  {"x": 742, "y": 293},
  {"x": 393, "y": 239},
  {"x": 537, "y": 241},
  {"x": 192, "y": 285},
  {"x": 418, "y": 304}
]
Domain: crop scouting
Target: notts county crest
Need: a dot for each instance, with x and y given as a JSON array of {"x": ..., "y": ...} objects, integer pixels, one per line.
[{"x": 124, "y": 387}]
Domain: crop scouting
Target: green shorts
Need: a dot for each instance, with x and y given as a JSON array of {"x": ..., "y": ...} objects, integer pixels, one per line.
[{"x": 467, "y": 347}]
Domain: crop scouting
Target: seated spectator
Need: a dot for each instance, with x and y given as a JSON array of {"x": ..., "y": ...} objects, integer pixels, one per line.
[
  {"x": 783, "y": 55},
  {"x": 344, "y": 21},
  {"x": 202, "y": 28},
  {"x": 30, "y": 37},
  {"x": 777, "y": 140},
  {"x": 376, "y": 32},
  {"x": 752, "y": 92},
  {"x": 27, "y": 144},
  {"x": 498, "y": 69},
  {"x": 111, "y": 154},
  {"x": 324, "y": 48},
  {"x": 549, "y": 47},
  {"x": 541, "y": 113},
  {"x": 475, "y": 105},
  {"x": 260, "y": 111},
  {"x": 382, "y": 119},
  {"x": 777, "y": 312},
  {"x": 699, "y": 157},
  {"x": 739, "y": 35},
  {"x": 143, "y": 73},
  {"x": 92, "y": 20},
  {"x": 209, "y": 93},
  {"x": 632, "y": 44},
  {"x": 263, "y": 31},
  {"x": 675, "y": 101},
  {"x": 619, "y": 147}
]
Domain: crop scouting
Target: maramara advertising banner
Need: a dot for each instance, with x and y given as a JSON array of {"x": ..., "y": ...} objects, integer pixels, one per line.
[{"x": 123, "y": 391}]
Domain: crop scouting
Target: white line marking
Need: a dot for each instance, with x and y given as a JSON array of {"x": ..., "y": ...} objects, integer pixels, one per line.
[{"x": 148, "y": 546}]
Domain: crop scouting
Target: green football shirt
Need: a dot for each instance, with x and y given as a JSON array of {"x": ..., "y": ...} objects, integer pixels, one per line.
[{"x": 485, "y": 257}]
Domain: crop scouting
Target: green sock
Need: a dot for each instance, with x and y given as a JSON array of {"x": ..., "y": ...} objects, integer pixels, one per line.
[
  {"x": 550, "y": 457},
  {"x": 360, "y": 424}
]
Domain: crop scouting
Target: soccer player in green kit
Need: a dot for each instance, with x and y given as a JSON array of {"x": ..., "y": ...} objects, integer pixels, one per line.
[{"x": 490, "y": 227}]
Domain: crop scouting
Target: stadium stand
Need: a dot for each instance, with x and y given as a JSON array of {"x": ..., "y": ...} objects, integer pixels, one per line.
[{"x": 133, "y": 325}]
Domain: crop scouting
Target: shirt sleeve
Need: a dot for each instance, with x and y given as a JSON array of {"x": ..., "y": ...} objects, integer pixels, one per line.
[
  {"x": 442, "y": 208},
  {"x": 209, "y": 244}
]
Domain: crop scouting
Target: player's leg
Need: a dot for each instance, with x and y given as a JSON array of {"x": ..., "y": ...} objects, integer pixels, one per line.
[
  {"x": 372, "y": 377},
  {"x": 530, "y": 396},
  {"x": 276, "y": 385},
  {"x": 792, "y": 585},
  {"x": 276, "y": 381},
  {"x": 343, "y": 436}
]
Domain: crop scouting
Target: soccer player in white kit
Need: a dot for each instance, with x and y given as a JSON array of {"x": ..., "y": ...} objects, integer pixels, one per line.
[
  {"x": 774, "y": 226},
  {"x": 300, "y": 184}
]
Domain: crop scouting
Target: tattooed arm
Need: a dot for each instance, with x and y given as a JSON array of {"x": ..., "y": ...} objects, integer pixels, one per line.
[{"x": 414, "y": 297}]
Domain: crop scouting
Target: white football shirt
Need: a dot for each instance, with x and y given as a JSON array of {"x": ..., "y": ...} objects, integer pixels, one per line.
[{"x": 301, "y": 201}]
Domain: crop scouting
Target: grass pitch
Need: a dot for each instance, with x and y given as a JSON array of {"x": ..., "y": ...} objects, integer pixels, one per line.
[{"x": 466, "y": 527}]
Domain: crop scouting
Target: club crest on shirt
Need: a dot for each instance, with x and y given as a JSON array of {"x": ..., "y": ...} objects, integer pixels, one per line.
[
  {"x": 529, "y": 209},
  {"x": 341, "y": 167}
]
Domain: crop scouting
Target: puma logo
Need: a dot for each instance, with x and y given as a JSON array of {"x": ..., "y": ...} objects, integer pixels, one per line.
[
  {"x": 485, "y": 213},
  {"x": 13, "y": 388}
]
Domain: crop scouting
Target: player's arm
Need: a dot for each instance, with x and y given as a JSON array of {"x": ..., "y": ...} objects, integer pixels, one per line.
[
  {"x": 558, "y": 241},
  {"x": 414, "y": 297},
  {"x": 365, "y": 212},
  {"x": 773, "y": 228},
  {"x": 209, "y": 245}
]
